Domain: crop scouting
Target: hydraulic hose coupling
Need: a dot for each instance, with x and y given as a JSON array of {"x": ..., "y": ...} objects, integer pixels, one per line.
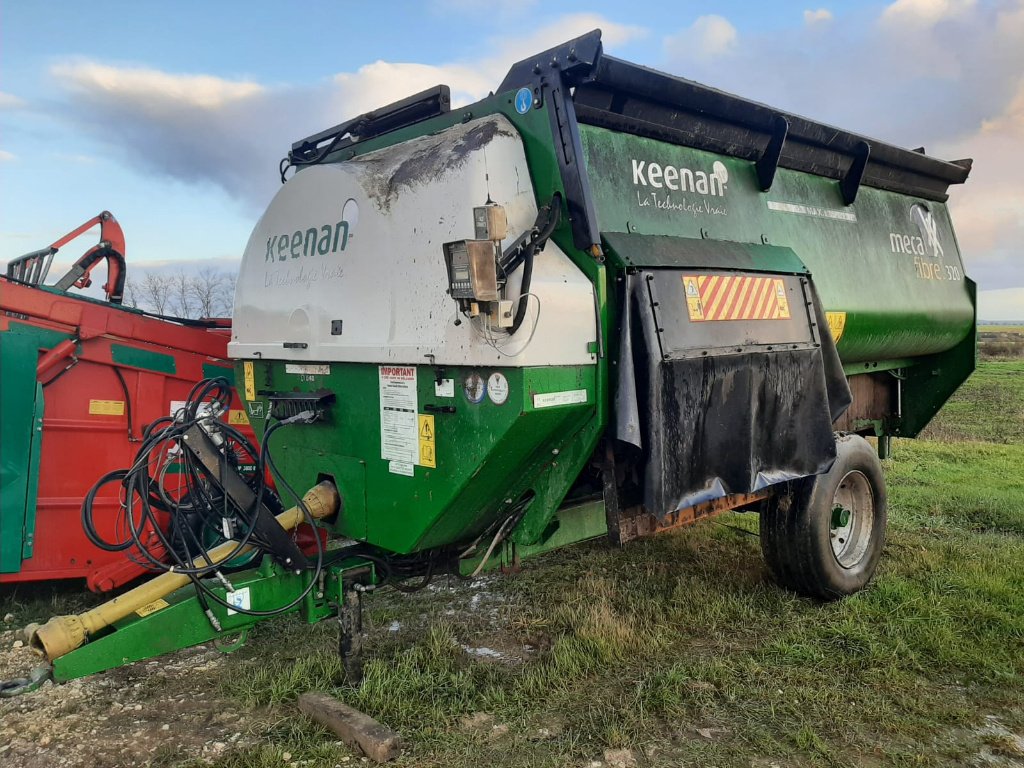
[{"x": 63, "y": 634}]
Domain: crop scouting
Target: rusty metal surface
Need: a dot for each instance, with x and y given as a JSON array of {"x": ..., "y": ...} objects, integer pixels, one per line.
[
  {"x": 874, "y": 398},
  {"x": 636, "y": 522}
]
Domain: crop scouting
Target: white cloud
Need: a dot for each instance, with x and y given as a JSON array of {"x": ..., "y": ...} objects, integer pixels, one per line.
[
  {"x": 512, "y": 49},
  {"x": 709, "y": 37},
  {"x": 951, "y": 81},
  {"x": 382, "y": 82},
  {"x": 6, "y": 157},
  {"x": 154, "y": 91},
  {"x": 232, "y": 133},
  {"x": 196, "y": 128},
  {"x": 10, "y": 101},
  {"x": 988, "y": 212},
  {"x": 924, "y": 13},
  {"x": 817, "y": 17}
]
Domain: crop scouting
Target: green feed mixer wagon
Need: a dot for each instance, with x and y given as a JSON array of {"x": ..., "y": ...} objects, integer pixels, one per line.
[{"x": 603, "y": 301}]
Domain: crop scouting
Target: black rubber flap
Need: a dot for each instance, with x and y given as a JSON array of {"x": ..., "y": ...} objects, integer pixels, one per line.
[{"x": 725, "y": 422}]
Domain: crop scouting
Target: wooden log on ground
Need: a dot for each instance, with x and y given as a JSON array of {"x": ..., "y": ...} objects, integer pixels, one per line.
[{"x": 358, "y": 730}]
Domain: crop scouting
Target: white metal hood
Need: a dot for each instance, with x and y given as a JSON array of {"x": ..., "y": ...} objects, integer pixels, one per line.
[{"x": 348, "y": 260}]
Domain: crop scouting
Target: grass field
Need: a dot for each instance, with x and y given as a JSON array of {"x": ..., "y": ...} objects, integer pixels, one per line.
[
  {"x": 989, "y": 407},
  {"x": 680, "y": 650}
]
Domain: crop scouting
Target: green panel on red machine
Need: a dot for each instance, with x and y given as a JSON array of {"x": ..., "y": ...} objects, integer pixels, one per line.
[
  {"x": 491, "y": 434},
  {"x": 17, "y": 481},
  {"x": 19, "y": 440},
  {"x": 134, "y": 357}
]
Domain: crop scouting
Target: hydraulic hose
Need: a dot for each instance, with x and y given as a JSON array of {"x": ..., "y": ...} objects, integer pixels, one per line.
[
  {"x": 62, "y": 634},
  {"x": 536, "y": 243}
]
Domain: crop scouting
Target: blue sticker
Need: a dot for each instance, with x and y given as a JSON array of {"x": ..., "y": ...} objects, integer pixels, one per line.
[{"x": 524, "y": 100}]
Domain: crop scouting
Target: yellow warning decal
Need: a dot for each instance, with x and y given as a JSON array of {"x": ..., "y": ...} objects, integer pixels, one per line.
[
  {"x": 735, "y": 297},
  {"x": 106, "y": 407},
  {"x": 250, "y": 381},
  {"x": 153, "y": 607},
  {"x": 836, "y": 324},
  {"x": 693, "y": 302},
  {"x": 427, "y": 444},
  {"x": 238, "y": 418}
]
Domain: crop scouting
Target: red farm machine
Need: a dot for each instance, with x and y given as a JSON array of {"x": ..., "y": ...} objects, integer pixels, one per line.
[{"x": 81, "y": 379}]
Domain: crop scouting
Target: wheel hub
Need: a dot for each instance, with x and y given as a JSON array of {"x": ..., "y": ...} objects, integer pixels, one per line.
[{"x": 852, "y": 519}]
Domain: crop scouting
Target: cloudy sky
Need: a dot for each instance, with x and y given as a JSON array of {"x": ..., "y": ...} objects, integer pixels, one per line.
[{"x": 174, "y": 115}]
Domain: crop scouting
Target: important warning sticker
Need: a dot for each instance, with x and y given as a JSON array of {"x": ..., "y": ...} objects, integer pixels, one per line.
[
  {"x": 398, "y": 405},
  {"x": 238, "y": 418},
  {"x": 106, "y": 407},
  {"x": 694, "y": 306},
  {"x": 735, "y": 297},
  {"x": 836, "y": 324},
  {"x": 250, "y": 380},
  {"x": 428, "y": 457}
]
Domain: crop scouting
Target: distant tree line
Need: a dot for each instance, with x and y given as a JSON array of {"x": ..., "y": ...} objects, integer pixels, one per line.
[{"x": 207, "y": 292}]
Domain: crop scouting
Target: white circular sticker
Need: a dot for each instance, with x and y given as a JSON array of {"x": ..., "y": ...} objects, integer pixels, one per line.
[{"x": 497, "y": 388}]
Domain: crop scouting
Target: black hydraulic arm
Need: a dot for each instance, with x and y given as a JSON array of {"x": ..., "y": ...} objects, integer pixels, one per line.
[{"x": 226, "y": 478}]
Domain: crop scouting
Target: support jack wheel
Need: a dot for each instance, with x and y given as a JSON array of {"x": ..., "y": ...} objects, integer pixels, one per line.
[{"x": 350, "y": 635}]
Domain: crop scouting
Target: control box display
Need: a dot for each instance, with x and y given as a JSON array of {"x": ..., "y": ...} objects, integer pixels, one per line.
[{"x": 472, "y": 270}]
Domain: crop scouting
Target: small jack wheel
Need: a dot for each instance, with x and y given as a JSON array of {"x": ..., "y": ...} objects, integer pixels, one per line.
[{"x": 350, "y": 635}]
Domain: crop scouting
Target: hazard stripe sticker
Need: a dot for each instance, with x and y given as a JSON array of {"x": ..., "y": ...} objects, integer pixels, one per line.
[{"x": 735, "y": 297}]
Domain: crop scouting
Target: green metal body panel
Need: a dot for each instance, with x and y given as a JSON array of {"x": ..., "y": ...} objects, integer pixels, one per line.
[
  {"x": 487, "y": 455},
  {"x": 211, "y": 371},
  {"x": 933, "y": 379},
  {"x": 573, "y": 523},
  {"x": 178, "y": 620},
  {"x": 20, "y": 435},
  {"x": 893, "y": 310},
  {"x": 496, "y": 454},
  {"x": 633, "y": 250},
  {"x": 907, "y": 303},
  {"x": 143, "y": 358}
]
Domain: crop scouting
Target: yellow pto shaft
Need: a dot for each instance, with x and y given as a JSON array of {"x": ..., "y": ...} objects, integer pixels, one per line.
[{"x": 63, "y": 634}]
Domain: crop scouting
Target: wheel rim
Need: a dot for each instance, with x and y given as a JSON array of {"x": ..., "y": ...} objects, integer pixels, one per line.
[{"x": 852, "y": 519}]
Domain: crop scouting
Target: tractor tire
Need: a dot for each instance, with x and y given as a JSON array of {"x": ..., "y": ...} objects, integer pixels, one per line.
[{"x": 823, "y": 536}]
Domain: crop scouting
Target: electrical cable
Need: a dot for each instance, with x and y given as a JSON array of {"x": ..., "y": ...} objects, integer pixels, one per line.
[
  {"x": 162, "y": 528},
  {"x": 173, "y": 529},
  {"x": 536, "y": 243},
  {"x": 498, "y": 343}
]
